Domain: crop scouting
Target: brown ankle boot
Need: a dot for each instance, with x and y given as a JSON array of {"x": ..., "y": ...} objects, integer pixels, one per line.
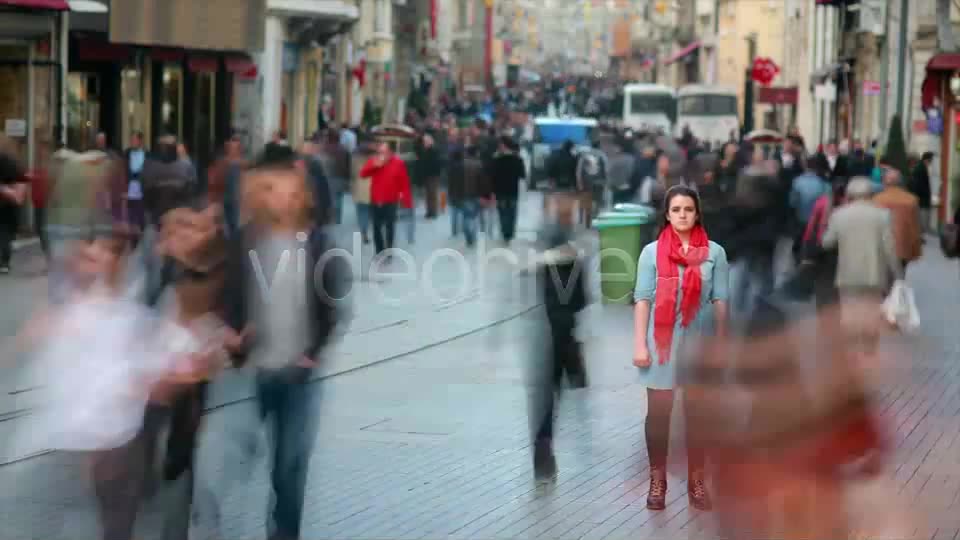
[
  {"x": 697, "y": 491},
  {"x": 657, "y": 495}
]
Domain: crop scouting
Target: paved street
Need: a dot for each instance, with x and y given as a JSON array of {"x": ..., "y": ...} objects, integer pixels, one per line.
[{"x": 430, "y": 440}]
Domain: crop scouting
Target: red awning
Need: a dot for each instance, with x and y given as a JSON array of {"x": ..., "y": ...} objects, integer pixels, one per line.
[
  {"x": 239, "y": 64},
  {"x": 939, "y": 69},
  {"x": 944, "y": 62},
  {"x": 89, "y": 50},
  {"x": 930, "y": 91},
  {"x": 167, "y": 55},
  {"x": 203, "y": 64},
  {"x": 681, "y": 53},
  {"x": 58, "y": 5}
]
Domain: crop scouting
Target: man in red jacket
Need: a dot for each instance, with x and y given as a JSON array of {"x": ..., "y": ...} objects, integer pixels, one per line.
[{"x": 389, "y": 186}]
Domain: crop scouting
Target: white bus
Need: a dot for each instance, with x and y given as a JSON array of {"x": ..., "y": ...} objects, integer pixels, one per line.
[
  {"x": 649, "y": 107},
  {"x": 711, "y": 112}
]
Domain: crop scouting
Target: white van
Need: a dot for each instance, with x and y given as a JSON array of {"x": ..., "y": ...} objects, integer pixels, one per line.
[
  {"x": 711, "y": 112},
  {"x": 649, "y": 107}
]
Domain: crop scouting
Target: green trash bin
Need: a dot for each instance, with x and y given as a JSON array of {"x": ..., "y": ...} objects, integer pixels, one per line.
[{"x": 622, "y": 237}]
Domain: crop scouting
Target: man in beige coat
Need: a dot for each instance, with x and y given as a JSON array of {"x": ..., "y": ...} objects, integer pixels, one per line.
[{"x": 904, "y": 210}]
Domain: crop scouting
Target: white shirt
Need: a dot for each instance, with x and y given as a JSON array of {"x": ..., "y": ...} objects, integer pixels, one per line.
[
  {"x": 96, "y": 371},
  {"x": 281, "y": 323}
]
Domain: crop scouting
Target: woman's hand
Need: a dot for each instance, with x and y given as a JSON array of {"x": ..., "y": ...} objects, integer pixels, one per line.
[{"x": 641, "y": 357}]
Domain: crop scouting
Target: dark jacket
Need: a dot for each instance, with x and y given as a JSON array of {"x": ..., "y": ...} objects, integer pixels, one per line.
[
  {"x": 336, "y": 162},
  {"x": 562, "y": 169},
  {"x": 327, "y": 283},
  {"x": 861, "y": 164},
  {"x": 920, "y": 186},
  {"x": 167, "y": 183},
  {"x": 474, "y": 179},
  {"x": 429, "y": 162},
  {"x": 322, "y": 191},
  {"x": 507, "y": 171},
  {"x": 840, "y": 170}
]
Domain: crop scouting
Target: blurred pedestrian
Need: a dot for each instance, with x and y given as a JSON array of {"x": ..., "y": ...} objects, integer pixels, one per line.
[
  {"x": 360, "y": 189},
  {"x": 283, "y": 331},
  {"x": 868, "y": 264},
  {"x": 681, "y": 295},
  {"x": 905, "y": 217},
  {"x": 653, "y": 187},
  {"x": 335, "y": 160},
  {"x": 728, "y": 168},
  {"x": 920, "y": 186},
  {"x": 622, "y": 165},
  {"x": 757, "y": 219},
  {"x": 592, "y": 169},
  {"x": 429, "y": 168},
  {"x": 562, "y": 168},
  {"x": 470, "y": 182},
  {"x": 508, "y": 170},
  {"x": 348, "y": 138},
  {"x": 13, "y": 192},
  {"x": 134, "y": 158},
  {"x": 224, "y": 182},
  {"x": 561, "y": 284},
  {"x": 40, "y": 193}
]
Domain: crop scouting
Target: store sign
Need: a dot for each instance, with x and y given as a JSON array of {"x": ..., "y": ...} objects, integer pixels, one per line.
[
  {"x": 232, "y": 25},
  {"x": 778, "y": 95},
  {"x": 872, "y": 88},
  {"x": 15, "y": 127},
  {"x": 825, "y": 92}
]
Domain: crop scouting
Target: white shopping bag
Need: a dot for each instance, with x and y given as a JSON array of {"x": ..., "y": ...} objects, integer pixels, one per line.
[{"x": 900, "y": 309}]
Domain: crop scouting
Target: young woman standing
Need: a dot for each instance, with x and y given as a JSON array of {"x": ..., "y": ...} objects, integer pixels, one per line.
[{"x": 681, "y": 294}]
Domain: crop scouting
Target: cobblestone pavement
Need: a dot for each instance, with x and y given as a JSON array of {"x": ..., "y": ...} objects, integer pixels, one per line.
[{"x": 435, "y": 444}]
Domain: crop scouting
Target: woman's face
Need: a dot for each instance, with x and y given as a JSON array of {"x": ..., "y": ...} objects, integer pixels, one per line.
[{"x": 682, "y": 213}]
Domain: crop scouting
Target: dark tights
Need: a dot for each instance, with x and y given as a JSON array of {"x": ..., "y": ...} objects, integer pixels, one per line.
[{"x": 659, "y": 410}]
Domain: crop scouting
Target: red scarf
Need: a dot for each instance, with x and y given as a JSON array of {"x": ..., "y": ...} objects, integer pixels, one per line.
[{"x": 670, "y": 257}]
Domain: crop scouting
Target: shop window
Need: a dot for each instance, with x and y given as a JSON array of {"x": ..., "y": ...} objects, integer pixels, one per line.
[
  {"x": 135, "y": 114},
  {"x": 203, "y": 136},
  {"x": 83, "y": 110},
  {"x": 171, "y": 107},
  {"x": 13, "y": 101}
]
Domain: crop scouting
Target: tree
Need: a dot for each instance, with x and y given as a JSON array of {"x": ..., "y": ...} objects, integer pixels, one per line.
[
  {"x": 896, "y": 151},
  {"x": 944, "y": 27}
]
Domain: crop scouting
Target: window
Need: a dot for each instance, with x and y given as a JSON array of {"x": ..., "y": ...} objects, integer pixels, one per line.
[
  {"x": 381, "y": 17},
  {"x": 464, "y": 15},
  {"x": 652, "y": 104},
  {"x": 171, "y": 112},
  {"x": 708, "y": 105}
]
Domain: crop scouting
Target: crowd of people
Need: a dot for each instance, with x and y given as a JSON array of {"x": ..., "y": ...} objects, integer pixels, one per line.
[
  {"x": 141, "y": 245},
  {"x": 708, "y": 285}
]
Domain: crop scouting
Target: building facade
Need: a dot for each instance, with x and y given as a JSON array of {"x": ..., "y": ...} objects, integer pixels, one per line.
[
  {"x": 33, "y": 63},
  {"x": 747, "y": 29}
]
